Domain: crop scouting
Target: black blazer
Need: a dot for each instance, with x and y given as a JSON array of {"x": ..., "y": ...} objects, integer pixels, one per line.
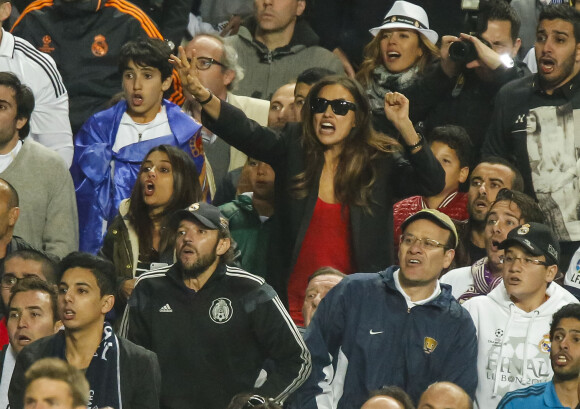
[{"x": 371, "y": 232}]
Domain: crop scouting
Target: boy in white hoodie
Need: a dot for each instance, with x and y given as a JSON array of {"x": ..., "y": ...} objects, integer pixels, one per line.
[{"x": 513, "y": 320}]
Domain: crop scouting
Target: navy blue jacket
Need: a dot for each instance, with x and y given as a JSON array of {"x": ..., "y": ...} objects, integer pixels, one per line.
[{"x": 364, "y": 337}]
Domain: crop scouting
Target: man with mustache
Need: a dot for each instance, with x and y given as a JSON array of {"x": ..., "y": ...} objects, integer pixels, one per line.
[
  {"x": 214, "y": 326},
  {"x": 534, "y": 125},
  {"x": 562, "y": 390},
  {"x": 488, "y": 177}
]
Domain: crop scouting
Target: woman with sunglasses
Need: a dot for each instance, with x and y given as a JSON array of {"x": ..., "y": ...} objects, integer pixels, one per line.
[{"x": 336, "y": 180}]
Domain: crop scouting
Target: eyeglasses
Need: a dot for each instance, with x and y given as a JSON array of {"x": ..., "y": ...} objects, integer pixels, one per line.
[
  {"x": 9, "y": 281},
  {"x": 339, "y": 106},
  {"x": 426, "y": 244},
  {"x": 255, "y": 400},
  {"x": 204, "y": 63},
  {"x": 509, "y": 258}
]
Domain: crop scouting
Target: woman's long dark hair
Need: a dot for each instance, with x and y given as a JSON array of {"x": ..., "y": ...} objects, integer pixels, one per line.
[
  {"x": 355, "y": 173},
  {"x": 186, "y": 190}
]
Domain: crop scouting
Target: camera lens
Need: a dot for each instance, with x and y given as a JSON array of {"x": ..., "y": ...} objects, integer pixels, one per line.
[{"x": 462, "y": 51}]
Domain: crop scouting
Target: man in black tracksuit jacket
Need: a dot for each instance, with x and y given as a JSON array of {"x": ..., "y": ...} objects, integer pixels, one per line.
[{"x": 213, "y": 326}]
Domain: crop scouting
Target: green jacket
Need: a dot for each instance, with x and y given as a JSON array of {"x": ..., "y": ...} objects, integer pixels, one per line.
[{"x": 251, "y": 235}]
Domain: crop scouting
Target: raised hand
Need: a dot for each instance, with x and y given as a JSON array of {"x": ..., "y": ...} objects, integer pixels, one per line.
[
  {"x": 396, "y": 107},
  {"x": 188, "y": 74},
  {"x": 397, "y": 111}
]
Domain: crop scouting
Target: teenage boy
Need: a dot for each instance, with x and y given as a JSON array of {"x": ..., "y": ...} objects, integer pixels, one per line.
[
  {"x": 451, "y": 146},
  {"x": 509, "y": 210},
  {"x": 513, "y": 320},
  {"x": 119, "y": 372},
  {"x": 112, "y": 143}
]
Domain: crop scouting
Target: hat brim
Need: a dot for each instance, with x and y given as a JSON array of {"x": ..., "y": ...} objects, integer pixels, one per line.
[
  {"x": 431, "y": 35},
  {"x": 430, "y": 216},
  {"x": 180, "y": 215},
  {"x": 523, "y": 242}
]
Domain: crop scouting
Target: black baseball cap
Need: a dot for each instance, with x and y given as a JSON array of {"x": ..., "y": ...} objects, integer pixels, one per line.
[
  {"x": 208, "y": 215},
  {"x": 536, "y": 238}
]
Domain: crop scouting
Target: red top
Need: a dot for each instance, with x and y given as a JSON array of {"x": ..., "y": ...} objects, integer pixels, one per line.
[
  {"x": 454, "y": 206},
  {"x": 326, "y": 243},
  {"x": 3, "y": 333}
]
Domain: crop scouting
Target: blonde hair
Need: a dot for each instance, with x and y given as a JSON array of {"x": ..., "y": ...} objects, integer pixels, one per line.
[{"x": 373, "y": 58}]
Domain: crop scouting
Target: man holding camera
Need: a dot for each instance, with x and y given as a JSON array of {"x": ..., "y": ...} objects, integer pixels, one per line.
[
  {"x": 484, "y": 63},
  {"x": 534, "y": 125}
]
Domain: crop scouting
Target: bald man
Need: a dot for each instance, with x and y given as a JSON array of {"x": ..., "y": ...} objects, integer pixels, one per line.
[
  {"x": 282, "y": 106},
  {"x": 389, "y": 397},
  {"x": 444, "y": 395},
  {"x": 9, "y": 212},
  {"x": 382, "y": 402}
]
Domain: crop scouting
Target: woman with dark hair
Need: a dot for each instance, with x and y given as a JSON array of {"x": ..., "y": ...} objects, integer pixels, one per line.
[
  {"x": 400, "y": 58},
  {"x": 336, "y": 180},
  {"x": 136, "y": 240}
]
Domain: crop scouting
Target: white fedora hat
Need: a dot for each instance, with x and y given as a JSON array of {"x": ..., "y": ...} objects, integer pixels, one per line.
[{"x": 407, "y": 15}]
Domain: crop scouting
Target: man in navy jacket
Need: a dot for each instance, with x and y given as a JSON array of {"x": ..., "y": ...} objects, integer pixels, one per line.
[{"x": 397, "y": 327}]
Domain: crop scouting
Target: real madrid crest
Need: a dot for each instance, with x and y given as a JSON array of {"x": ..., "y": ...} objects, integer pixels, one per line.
[
  {"x": 524, "y": 229},
  {"x": 100, "y": 46},
  {"x": 221, "y": 310},
  {"x": 545, "y": 344},
  {"x": 429, "y": 345},
  {"x": 46, "y": 44}
]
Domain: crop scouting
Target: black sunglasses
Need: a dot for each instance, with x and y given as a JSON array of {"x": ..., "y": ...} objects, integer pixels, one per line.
[{"x": 339, "y": 106}]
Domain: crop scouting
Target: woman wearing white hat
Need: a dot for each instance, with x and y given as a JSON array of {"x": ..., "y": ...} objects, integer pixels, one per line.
[{"x": 397, "y": 58}]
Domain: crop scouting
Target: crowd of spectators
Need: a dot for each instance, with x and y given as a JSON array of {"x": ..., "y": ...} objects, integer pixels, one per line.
[{"x": 290, "y": 203}]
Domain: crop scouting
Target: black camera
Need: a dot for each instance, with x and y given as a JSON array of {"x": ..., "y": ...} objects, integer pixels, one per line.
[{"x": 462, "y": 51}]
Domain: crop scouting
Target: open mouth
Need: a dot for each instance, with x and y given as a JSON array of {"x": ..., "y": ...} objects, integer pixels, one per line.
[
  {"x": 481, "y": 204},
  {"x": 149, "y": 188},
  {"x": 514, "y": 280},
  {"x": 393, "y": 55},
  {"x": 23, "y": 339},
  {"x": 68, "y": 314},
  {"x": 137, "y": 99},
  {"x": 546, "y": 65},
  {"x": 327, "y": 128}
]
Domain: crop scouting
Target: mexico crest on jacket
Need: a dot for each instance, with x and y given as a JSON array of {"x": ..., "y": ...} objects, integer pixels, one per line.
[{"x": 221, "y": 310}]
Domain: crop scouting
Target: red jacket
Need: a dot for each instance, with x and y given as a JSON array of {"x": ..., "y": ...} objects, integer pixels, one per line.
[{"x": 454, "y": 206}]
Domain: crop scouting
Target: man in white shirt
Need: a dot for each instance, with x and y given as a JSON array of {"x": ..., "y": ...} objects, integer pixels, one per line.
[
  {"x": 49, "y": 123},
  {"x": 513, "y": 320}
]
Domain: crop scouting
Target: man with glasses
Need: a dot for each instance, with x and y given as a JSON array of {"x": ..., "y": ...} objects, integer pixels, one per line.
[
  {"x": 397, "y": 327},
  {"x": 513, "y": 320},
  {"x": 510, "y": 209},
  {"x": 219, "y": 72}
]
